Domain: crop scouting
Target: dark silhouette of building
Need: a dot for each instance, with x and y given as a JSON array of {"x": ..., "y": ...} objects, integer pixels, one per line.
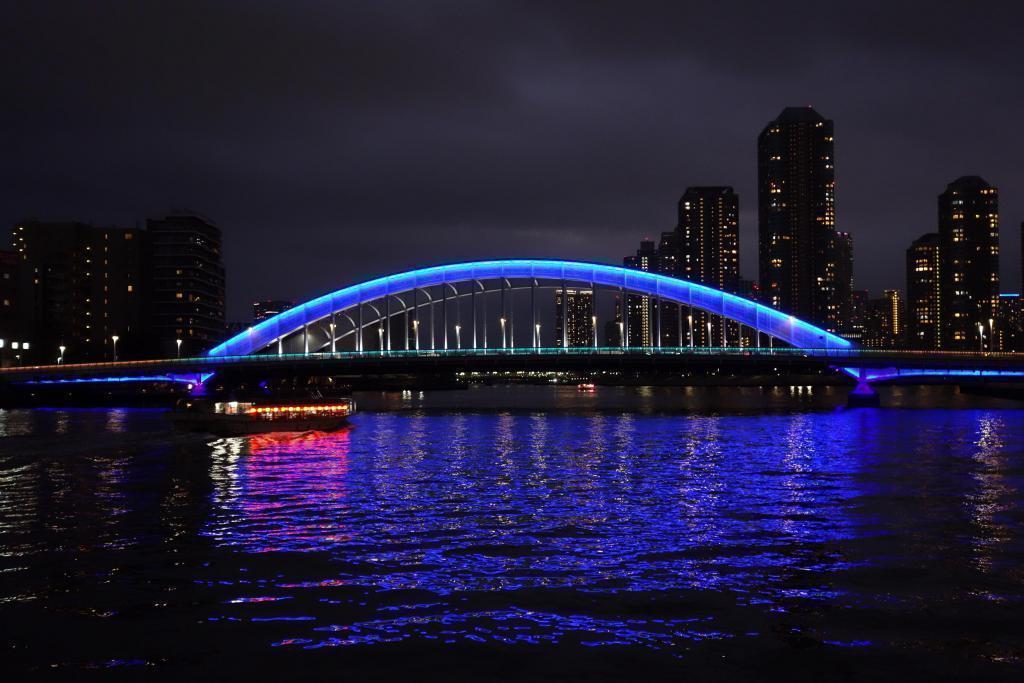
[
  {"x": 883, "y": 321},
  {"x": 839, "y": 283},
  {"x": 858, "y": 315},
  {"x": 1008, "y": 334},
  {"x": 261, "y": 310},
  {"x": 924, "y": 293},
  {"x": 574, "y": 322},
  {"x": 16, "y": 341},
  {"x": 969, "y": 251},
  {"x": 83, "y": 289},
  {"x": 803, "y": 263},
  {"x": 749, "y": 289},
  {"x": 186, "y": 293}
]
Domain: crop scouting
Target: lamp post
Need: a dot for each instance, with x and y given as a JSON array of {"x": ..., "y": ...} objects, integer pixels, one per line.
[
  {"x": 60, "y": 359},
  {"x": 416, "y": 332},
  {"x": 689, "y": 320},
  {"x": 458, "y": 337},
  {"x": 380, "y": 336},
  {"x": 537, "y": 338},
  {"x": 502, "y": 332},
  {"x": 115, "y": 338},
  {"x": 991, "y": 334},
  {"x": 981, "y": 337},
  {"x": 709, "y": 334},
  {"x": 593, "y": 325},
  {"x": 178, "y": 342}
]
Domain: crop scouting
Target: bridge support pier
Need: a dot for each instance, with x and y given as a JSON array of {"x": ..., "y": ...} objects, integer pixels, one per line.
[{"x": 863, "y": 395}]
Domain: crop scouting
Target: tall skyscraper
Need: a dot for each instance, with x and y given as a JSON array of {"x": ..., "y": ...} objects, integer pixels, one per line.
[
  {"x": 838, "y": 284},
  {"x": 186, "y": 283},
  {"x": 969, "y": 246},
  {"x": 708, "y": 237},
  {"x": 85, "y": 286},
  {"x": 803, "y": 265},
  {"x": 924, "y": 293},
  {"x": 708, "y": 248},
  {"x": 574, "y": 324},
  {"x": 638, "y": 318}
]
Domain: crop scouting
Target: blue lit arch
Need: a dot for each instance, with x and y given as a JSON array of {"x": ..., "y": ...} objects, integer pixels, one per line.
[{"x": 768, "y": 320}]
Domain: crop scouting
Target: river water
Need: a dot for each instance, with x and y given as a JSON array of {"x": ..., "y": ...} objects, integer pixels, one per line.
[{"x": 531, "y": 533}]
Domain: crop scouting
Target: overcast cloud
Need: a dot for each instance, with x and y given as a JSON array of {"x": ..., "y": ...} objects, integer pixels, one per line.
[{"x": 332, "y": 141}]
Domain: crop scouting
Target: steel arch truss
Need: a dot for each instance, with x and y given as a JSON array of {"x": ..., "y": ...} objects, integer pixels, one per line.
[{"x": 381, "y": 294}]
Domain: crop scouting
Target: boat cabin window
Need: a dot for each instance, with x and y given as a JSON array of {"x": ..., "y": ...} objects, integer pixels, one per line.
[{"x": 231, "y": 408}]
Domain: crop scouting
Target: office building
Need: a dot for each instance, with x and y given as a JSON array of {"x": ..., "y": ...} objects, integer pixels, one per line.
[
  {"x": 924, "y": 293},
  {"x": 1008, "y": 332},
  {"x": 708, "y": 237},
  {"x": 969, "y": 251},
  {"x": 858, "y": 316},
  {"x": 16, "y": 341},
  {"x": 883, "y": 321},
  {"x": 186, "y": 284},
  {"x": 707, "y": 243},
  {"x": 574, "y": 321},
  {"x": 803, "y": 263},
  {"x": 82, "y": 290},
  {"x": 639, "y": 320}
]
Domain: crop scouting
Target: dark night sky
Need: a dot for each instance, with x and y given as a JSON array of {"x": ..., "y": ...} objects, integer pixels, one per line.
[{"x": 332, "y": 140}]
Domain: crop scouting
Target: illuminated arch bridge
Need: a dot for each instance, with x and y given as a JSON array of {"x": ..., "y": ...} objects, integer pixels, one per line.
[
  {"x": 497, "y": 316},
  {"x": 446, "y": 308}
]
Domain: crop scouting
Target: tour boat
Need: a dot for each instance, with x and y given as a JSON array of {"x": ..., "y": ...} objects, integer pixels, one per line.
[
  {"x": 234, "y": 418},
  {"x": 586, "y": 386}
]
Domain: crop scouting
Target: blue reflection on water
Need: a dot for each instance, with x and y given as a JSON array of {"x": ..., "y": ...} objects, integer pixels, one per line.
[
  {"x": 858, "y": 529},
  {"x": 763, "y": 510}
]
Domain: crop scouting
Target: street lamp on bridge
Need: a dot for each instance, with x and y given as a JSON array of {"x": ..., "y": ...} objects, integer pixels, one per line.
[
  {"x": 178, "y": 342},
  {"x": 458, "y": 337},
  {"x": 502, "y": 332},
  {"x": 115, "y": 338},
  {"x": 60, "y": 359}
]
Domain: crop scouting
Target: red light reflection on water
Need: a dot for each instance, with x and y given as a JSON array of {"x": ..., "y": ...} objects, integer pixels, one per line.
[{"x": 283, "y": 478}]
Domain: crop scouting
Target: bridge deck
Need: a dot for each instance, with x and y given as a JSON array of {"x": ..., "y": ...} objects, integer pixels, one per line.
[{"x": 541, "y": 359}]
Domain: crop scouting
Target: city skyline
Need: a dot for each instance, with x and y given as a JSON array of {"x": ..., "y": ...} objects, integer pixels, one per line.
[
  {"x": 474, "y": 339},
  {"x": 557, "y": 151}
]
